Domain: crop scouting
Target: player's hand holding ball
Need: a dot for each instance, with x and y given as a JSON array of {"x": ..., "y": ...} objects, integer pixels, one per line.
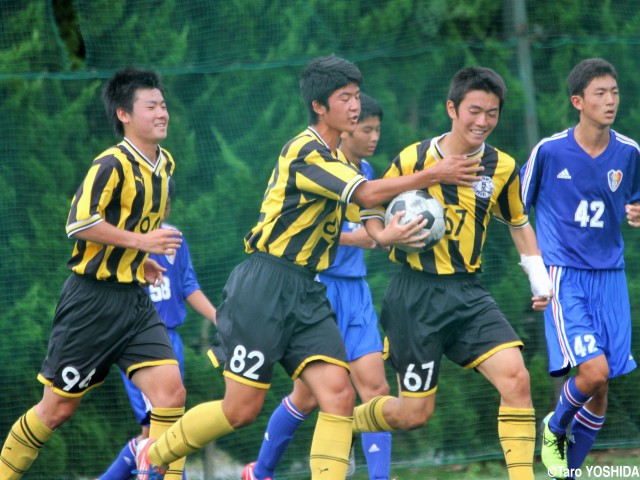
[{"x": 418, "y": 204}]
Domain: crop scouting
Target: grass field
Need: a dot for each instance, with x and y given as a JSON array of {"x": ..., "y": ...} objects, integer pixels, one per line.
[
  {"x": 602, "y": 462},
  {"x": 485, "y": 470}
]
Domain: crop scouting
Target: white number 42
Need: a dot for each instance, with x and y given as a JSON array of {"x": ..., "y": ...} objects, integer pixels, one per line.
[
  {"x": 584, "y": 345},
  {"x": 583, "y": 217}
]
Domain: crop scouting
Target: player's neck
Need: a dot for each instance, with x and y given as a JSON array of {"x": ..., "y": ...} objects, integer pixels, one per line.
[
  {"x": 352, "y": 157},
  {"x": 593, "y": 139},
  {"x": 451, "y": 145},
  {"x": 150, "y": 151},
  {"x": 329, "y": 135}
]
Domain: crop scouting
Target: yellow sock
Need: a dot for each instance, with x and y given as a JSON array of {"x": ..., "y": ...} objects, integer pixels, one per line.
[
  {"x": 330, "y": 447},
  {"x": 368, "y": 417},
  {"x": 22, "y": 445},
  {"x": 199, "y": 426},
  {"x": 161, "y": 420},
  {"x": 517, "y": 431}
]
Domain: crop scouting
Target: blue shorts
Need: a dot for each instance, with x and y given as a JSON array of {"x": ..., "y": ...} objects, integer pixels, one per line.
[
  {"x": 589, "y": 316},
  {"x": 139, "y": 403},
  {"x": 357, "y": 319}
]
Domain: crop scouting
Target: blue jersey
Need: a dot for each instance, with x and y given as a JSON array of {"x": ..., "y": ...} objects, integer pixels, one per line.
[
  {"x": 579, "y": 200},
  {"x": 349, "y": 261},
  {"x": 179, "y": 281}
]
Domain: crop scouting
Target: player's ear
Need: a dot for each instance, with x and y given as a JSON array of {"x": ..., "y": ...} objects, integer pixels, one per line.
[
  {"x": 318, "y": 107},
  {"x": 122, "y": 115},
  {"x": 451, "y": 110},
  {"x": 576, "y": 101}
]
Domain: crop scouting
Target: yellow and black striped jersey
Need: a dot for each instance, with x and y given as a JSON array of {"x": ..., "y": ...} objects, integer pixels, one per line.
[
  {"x": 305, "y": 202},
  {"x": 126, "y": 190},
  {"x": 467, "y": 209}
]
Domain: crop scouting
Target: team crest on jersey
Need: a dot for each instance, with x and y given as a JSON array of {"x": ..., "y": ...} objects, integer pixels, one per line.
[
  {"x": 615, "y": 179},
  {"x": 484, "y": 187}
]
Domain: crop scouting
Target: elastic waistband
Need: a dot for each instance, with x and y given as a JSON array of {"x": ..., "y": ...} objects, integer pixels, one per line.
[
  {"x": 284, "y": 263},
  {"x": 434, "y": 277},
  {"x": 338, "y": 277},
  {"x": 93, "y": 281}
]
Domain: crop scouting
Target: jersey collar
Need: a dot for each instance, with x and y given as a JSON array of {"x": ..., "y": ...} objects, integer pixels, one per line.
[
  {"x": 438, "y": 155},
  {"x": 338, "y": 153},
  {"x": 319, "y": 137},
  {"x": 156, "y": 167}
]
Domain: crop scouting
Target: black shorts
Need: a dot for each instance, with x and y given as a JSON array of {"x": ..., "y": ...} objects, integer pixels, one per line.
[
  {"x": 98, "y": 324},
  {"x": 274, "y": 311},
  {"x": 425, "y": 316}
]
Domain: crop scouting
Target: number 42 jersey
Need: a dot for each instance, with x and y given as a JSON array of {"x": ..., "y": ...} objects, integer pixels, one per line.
[{"x": 579, "y": 201}]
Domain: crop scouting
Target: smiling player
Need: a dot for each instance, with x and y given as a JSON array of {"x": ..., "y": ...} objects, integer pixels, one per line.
[
  {"x": 436, "y": 304},
  {"x": 104, "y": 316},
  {"x": 273, "y": 310}
]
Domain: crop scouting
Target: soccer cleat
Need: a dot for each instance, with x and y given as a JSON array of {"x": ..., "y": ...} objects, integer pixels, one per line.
[
  {"x": 144, "y": 469},
  {"x": 248, "y": 472},
  {"x": 553, "y": 452}
]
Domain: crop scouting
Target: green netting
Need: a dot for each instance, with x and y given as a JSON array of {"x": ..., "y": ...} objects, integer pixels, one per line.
[
  {"x": 29, "y": 42},
  {"x": 231, "y": 68}
]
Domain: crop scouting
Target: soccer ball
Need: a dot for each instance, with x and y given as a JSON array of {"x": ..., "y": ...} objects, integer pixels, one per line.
[{"x": 419, "y": 202}]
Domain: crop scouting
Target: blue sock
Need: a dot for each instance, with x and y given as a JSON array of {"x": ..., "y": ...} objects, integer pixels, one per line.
[
  {"x": 584, "y": 429},
  {"x": 282, "y": 425},
  {"x": 377, "y": 451},
  {"x": 571, "y": 400},
  {"x": 124, "y": 463}
]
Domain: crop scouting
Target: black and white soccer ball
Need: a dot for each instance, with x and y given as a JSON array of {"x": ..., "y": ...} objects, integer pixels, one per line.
[{"x": 419, "y": 202}]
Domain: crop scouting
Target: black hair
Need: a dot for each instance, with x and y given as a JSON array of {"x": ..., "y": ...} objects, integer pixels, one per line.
[
  {"x": 120, "y": 92},
  {"x": 323, "y": 76},
  {"x": 585, "y": 71},
  {"x": 476, "y": 78},
  {"x": 369, "y": 107}
]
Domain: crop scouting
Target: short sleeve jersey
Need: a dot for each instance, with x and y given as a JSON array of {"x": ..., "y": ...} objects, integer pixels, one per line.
[
  {"x": 349, "y": 261},
  {"x": 579, "y": 200},
  {"x": 126, "y": 190},
  {"x": 304, "y": 204},
  {"x": 467, "y": 209},
  {"x": 179, "y": 282}
]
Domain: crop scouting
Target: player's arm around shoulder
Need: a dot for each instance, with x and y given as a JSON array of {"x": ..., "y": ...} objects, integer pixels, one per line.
[{"x": 454, "y": 170}]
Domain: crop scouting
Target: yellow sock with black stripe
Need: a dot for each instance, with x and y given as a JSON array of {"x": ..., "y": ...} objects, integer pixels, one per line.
[
  {"x": 161, "y": 421},
  {"x": 199, "y": 426},
  {"x": 517, "y": 431},
  {"x": 368, "y": 417},
  {"x": 27, "y": 436},
  {"x": 330, "y": 447}
]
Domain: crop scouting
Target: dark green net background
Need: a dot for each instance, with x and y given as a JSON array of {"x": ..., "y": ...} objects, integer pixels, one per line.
[{"x": 231, "y": 68}]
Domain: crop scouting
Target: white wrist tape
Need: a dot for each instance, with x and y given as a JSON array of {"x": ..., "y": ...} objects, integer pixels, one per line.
[{"x": 538, "y": 275}]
